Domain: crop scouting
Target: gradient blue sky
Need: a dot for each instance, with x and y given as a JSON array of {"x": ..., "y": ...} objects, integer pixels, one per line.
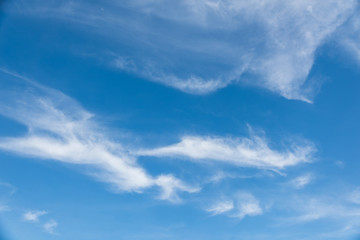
[{"x": 154, "y": 119}]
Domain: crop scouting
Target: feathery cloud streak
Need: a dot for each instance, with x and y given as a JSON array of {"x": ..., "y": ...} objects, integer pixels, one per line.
[
  {"x": 248, "y": 152},
  {"x": 221, "y": 207},
  {"x": 50, "y": 226},
  {"x": 60, "y": 129},
  {"x": 301, "y": 181},
  {"x": 312, "y": 209},
  {"x": 33, "y": 216},
  {"x": 201, "y": 46},
  {"x": 244, "y": 204},
  {"x": 350, "y": 36}
]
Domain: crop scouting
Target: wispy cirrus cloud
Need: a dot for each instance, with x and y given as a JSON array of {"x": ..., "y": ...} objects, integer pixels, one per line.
[
  {"x": 50, "y": 226},
  {"x": 301, "y": 181},
  {"x": 33, "y": 216},
  {"x": 7, "y": 190},
  {"x": 354, "y": 196},
  {"x": 241, "y": 205},
  {"x": 60, "y": 129},
  {"x": 9, "y": 186},
  {"x": 247, "y": 205},
  {"x": 281, "y": 54},
  {"x": 349, "y": 37},
  {"x": 316, "y": 208},
  {"x": 4, "y": 207},
  {"x": 201, "y": 46},
  {"x": 319, "y": 209},
  {"x": 253, "y": 151},
  {"x": 340, "y": 207},
  {"x": 221, "y": 207}
]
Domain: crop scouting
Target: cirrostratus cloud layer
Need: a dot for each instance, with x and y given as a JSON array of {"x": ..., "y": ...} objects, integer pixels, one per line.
[
  {"x": 60, "y": 129},
  {"x": 201, "y": 46}
]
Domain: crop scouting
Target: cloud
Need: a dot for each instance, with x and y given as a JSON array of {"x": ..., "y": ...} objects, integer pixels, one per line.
[
  {"x": 349, "y": 36},
  {"x": 221, "y": 207},
  {"x": 355, "y": 196},
  {"x": 170, "y": 185},
  {"x": 11, "y": 188},
  {"x": 301, "y": 181},
  {"x": 4, "y": 208},
  {"x": 352, "y": 47},
  {"x": 192, "y": 84},
  {"x": 6, "y": 192},
  {"x": 243, "y": 204},
  {"x": 247, "y": 205},
  {"x": 315, "y": 209},
  {"x": 333, "y": 211},
  {"x": 201, "y": 46},
  {"x": 60, "y": 129},
  {"x": 33, "y": 216},
  {"x": 50, "y": 226},
  {"x": 281, "y": 55},
  {"x": 253, "y": 151}
]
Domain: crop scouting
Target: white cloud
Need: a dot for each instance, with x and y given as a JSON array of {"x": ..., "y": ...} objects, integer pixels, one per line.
[
  {"x": 247, "y": 205},
  {"x": 50, "y": 226},
  {"x": 170, "y": 185},
  {"x": 221, "y": 207},
  {"x": 331, "y": 210},
  {"x": 60, "y": 129},
  {"x": 319, "y": 210},
  {"x": 200, "y": 46},
  {"x": 33, "y": 216},
  {"x": 315, "y": 207},
  {"x": 291, "y": 33},
  {"x": 243, "y": 204},
  {"x": 192, "y": 84},
  {"x": 301, "y": 181},
  {"x": 248, "y": 152}
]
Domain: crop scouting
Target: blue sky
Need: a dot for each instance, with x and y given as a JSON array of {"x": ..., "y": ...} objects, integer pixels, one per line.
[{"x": 154, "y": 119}]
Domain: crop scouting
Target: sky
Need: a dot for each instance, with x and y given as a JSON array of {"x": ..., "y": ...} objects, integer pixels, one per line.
[{"x": 154, "y": 119}]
